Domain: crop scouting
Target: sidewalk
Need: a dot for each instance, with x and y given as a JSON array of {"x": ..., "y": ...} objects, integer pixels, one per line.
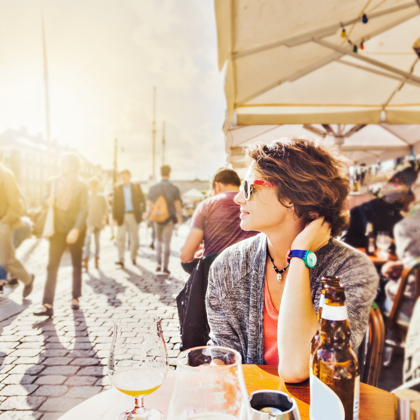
[{"x": 49, "y": 366}]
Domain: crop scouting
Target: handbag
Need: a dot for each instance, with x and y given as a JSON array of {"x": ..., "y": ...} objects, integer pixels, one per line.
[{"x": 44, "y": 226}]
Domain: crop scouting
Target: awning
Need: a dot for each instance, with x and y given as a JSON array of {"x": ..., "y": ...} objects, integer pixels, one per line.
[
  {"x": 287, "y": 63},
  {"x": 359, "y": 143}
]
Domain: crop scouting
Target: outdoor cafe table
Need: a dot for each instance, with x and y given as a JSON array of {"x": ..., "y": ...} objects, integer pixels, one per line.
[{"x": 375, "y": 404}]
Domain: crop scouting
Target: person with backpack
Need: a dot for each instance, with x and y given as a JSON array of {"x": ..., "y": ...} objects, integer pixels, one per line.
[
  {"x": 127, "y": 211},
  {"x": 165, "y": 210}
]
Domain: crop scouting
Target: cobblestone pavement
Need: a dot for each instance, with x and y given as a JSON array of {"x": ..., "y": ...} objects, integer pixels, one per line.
[{"x": 47, "y": 366}]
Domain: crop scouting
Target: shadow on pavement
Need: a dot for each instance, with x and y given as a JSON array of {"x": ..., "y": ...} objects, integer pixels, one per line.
[
  {"x": 107, "y": 286},
  {"x": 56, "y": 359}
]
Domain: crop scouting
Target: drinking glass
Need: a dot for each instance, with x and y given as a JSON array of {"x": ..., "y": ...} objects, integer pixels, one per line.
[
  {"x": 138, "y": 363},
  {"x": 209, "y": 385},
  {"x": 383, "y": 242}
]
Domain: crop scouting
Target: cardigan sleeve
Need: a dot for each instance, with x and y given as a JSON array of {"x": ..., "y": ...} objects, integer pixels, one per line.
[{"x": 221, "y": 332}]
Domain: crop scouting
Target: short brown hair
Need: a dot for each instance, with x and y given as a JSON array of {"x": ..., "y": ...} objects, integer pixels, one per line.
[
  {"x": 307, "y": 175},
  {"x": 165, "y": 170},
  {"x": 226, "y": 176}
]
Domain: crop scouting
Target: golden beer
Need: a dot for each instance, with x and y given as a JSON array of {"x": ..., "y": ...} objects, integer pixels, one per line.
[
  {"x": 334, "y": 363},
  {"x": 333, "y": 281}
]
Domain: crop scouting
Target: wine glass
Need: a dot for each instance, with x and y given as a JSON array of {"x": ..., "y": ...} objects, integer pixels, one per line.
[
  {"x": 138, "y": 362},
  {"x": 209, "y": 386},
  {"x": 383, "y": 242}
]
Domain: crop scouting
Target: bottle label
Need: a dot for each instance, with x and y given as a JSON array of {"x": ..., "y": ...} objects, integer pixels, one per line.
[
  {"x": 325, "y": 404},
  {"x": 334, "y": 313},
  {"x": 322, "y": 301},
  {"x": 356, "y": 398}
]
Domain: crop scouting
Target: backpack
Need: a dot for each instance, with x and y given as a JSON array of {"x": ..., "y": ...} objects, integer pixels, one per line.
[{"x": 160, "y": 213}]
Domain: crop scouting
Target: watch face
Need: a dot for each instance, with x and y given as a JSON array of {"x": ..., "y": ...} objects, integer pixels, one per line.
[{"x": 311, "y": 259}]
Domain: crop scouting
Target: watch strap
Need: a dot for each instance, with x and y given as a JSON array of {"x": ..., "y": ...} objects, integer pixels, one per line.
[{"x": 299, "y": 253}]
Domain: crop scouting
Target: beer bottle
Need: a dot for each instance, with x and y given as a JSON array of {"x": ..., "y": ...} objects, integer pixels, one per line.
[
  {"x": 370, "y": 239},
  {"x": 333, "y": 281},
  {"x": 334, "y": 377}
]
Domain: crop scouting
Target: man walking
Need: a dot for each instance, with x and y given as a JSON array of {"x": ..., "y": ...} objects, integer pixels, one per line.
[
  {"x": 165, "y": 209},
  {"x": 216, "y": 219},
  {"x": 96, "y": 220},
  {"x": 127, "y": 210},
  {"x": 11, "y": 210}
]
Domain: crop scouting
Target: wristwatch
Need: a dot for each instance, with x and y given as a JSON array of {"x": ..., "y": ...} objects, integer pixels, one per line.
[{"x": 308, "y": 257}]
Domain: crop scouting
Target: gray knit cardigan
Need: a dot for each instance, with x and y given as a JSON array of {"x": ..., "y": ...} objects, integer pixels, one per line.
[{"x": 235, "y": 293}]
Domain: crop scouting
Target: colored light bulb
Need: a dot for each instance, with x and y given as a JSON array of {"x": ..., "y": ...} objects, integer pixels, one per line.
[
  {"x": 365, "y": 19},
  {"x": 355, "y": 49},
  {"x": 343, "y": 33}
]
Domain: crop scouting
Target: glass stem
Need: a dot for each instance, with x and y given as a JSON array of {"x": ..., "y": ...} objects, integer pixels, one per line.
[{"x": 138, "y": 408}]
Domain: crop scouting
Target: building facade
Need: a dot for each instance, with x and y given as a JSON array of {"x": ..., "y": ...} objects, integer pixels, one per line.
[{"x": 26, "y": 156}]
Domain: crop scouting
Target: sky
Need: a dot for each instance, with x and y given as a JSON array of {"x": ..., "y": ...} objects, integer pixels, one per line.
[{"x": 104, "y": 58}]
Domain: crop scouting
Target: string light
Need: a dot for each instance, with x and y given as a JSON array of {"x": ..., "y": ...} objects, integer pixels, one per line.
[
  {"x": 355, "y": 48},
  {"x": 365, "y": 19},
  {"x": 362, "y": 46},
  {"x": 343, "y": 33}
]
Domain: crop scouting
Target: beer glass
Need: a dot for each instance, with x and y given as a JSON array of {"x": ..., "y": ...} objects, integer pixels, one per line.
[
  {"x": 138, "y": 363},
  {"x": 383, "y": 242},
  {"x": 209, "y": 385}
]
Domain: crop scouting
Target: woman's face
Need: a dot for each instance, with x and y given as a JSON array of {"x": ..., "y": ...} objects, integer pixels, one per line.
[{"x": 263, "y": 211}]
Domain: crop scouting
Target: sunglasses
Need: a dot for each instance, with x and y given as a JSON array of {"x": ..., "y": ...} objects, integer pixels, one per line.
[{"x": 248, "y": 187}]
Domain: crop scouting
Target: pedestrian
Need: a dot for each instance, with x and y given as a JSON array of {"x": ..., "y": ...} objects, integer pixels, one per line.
[
  {"x": 216, "y": 220},
  {"x": 127, "y": 211},
  {"x": 11, "y": 211},
  {"x": 264, "y": 292},
  {"x": 165, "y": 210},
  {"x": 19, "y": 235},
  {"x": 96, "y": 220},
  {"x": 68, "y": 196}
]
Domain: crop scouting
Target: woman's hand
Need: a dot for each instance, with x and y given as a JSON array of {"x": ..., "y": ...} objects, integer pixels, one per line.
[
  {"x": 315, "y": 235},
  {"x": 72, "y": 236}
]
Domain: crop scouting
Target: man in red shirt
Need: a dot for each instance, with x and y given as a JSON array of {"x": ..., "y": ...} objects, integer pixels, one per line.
[{"x": 216, "y": 219}]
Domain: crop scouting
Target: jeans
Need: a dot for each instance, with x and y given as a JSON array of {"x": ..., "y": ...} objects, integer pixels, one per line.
[
  {"x": 97, "y": 234},
  {"x": 58, "y": 244},
  {"x": 19, "y": 235},
  {"x": 163, "y": 236}
]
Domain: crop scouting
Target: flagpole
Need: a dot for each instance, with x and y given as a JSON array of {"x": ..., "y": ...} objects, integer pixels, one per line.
[
  {"x": 47, "y": 101},
  {"x": 154, "y": 135}
]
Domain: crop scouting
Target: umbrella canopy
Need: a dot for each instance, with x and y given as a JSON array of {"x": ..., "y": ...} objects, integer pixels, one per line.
[
  {"x": 360, "y": 144},
  {"x": 193, "y": 195},
  {"x": 293, "y": 61}
]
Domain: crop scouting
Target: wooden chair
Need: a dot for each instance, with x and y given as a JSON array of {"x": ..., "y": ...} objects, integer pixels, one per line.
[
  {"x": 371, "y": 349},
  {"x": 392, "y": 319},
  {"x": 376, "y": 340}
]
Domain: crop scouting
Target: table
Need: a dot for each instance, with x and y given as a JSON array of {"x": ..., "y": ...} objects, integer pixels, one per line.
[
  {"x": 375, "y": 404},
  {"x": 378, "y": 261}
]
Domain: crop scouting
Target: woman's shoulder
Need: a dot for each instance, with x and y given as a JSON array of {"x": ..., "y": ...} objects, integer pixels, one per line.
[
  {"x": 238, "y": 259},
  {"x": 342, "y": 260},
  {"x": 242, "y": 250}
]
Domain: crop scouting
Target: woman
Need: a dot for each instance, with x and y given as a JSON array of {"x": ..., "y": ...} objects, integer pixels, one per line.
[
  {"x": 294, "y": 194},
  {"x": 69, "y": 198},
  {"x": 407, "y": 242}
]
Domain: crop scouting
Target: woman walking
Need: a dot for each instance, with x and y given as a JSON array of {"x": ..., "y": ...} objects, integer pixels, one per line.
[
  {"x": 68, "y": 196},
  {"x": 263, "y": 293}
]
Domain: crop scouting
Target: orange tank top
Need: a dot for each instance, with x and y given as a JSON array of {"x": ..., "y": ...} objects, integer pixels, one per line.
[{"x": 271, "y": 317}]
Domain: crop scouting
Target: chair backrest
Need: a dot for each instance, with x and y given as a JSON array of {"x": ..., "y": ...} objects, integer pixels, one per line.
[
  {"x": 375, "y": 344},
  {"x": 399, "y": 296}
]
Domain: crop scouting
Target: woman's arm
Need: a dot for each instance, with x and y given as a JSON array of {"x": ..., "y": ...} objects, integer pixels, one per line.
[
  {"x": 221, "y": 332},
  {"x": 298, "y": 322}
]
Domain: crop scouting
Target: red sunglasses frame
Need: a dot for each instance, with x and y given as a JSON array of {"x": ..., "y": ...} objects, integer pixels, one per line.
[{"x": 256, "y": 182}]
